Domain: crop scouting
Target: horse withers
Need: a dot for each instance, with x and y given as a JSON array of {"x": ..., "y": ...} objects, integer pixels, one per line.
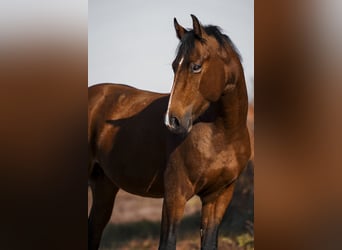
[{"x": 193, "y": 141}]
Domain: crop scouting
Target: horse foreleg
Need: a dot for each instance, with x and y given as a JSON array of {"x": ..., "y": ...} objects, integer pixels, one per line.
[
  {"x": 212, "y": 214},
  {"x": 104, "y": 192},
  {"x": 173, "y": 209}
]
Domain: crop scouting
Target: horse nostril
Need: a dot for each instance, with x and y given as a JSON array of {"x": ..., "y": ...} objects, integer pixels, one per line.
[{"x": 174, "y": 122}]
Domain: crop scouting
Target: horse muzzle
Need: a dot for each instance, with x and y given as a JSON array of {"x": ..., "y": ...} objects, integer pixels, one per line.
[{"x": 178, "y": 125}]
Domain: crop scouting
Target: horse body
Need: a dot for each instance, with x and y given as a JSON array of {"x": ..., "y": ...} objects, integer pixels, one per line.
[
  {"x": 213, "y": 152},
  {"x": 125, "y": 151},
  {"x": 201, "y": 151}
]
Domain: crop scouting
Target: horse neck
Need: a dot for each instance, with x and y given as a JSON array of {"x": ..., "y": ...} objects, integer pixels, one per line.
[{"x": 233, "y": 105}]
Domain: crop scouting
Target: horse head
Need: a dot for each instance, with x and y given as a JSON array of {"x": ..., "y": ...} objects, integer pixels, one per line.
[{"x": 205, "y": 68}]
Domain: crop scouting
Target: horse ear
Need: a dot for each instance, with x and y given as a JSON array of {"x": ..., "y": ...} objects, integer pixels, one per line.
[
  {"x": 198, "y": 30},
  {"x": 180, "y": 31}
]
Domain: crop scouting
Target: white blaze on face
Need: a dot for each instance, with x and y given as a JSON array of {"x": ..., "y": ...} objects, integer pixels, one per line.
[
  {"x": 167, "y": 120},
  {"x": 180, "y": 62}
]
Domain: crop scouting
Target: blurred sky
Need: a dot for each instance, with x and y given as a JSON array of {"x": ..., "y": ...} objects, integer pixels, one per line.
[{"x": 134, "y": 42}]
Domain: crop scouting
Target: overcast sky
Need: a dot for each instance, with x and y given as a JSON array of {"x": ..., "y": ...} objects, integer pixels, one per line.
[{"x": 134, "y": 42}]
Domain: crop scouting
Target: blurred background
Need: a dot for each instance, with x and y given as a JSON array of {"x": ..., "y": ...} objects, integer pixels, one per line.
[{"x": 134, "y": 42}]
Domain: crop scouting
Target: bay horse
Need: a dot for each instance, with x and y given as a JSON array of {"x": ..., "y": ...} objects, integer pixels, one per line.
[{"x": 193, "y": 141}]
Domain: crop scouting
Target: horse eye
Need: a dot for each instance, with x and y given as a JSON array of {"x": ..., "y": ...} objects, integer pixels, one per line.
[{"x": 196, "y": 68}]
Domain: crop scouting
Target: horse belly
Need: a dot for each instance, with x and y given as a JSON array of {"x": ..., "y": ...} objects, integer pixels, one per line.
[{"x": 136, "y": 171}]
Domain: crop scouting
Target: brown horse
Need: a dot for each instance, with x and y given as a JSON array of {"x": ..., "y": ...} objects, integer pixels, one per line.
[{"x": 201, "y": 151}]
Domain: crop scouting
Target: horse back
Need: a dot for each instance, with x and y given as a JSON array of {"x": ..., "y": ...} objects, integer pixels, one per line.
[{"x": 114, "y": 102}]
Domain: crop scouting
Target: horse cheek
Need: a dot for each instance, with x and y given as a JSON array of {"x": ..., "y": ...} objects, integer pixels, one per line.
[{"x": 212, "y": 85}]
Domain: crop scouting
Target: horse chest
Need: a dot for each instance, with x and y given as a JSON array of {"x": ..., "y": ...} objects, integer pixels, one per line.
[
  {"x": 212, "y": 162},
  {"x": 206, "y": 145},
  {"x": 211, "y": 156},
  {"x": 215, "y": 173}
]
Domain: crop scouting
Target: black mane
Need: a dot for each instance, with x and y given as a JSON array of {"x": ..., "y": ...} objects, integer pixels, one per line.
[{"x": 188, "y": 42}]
